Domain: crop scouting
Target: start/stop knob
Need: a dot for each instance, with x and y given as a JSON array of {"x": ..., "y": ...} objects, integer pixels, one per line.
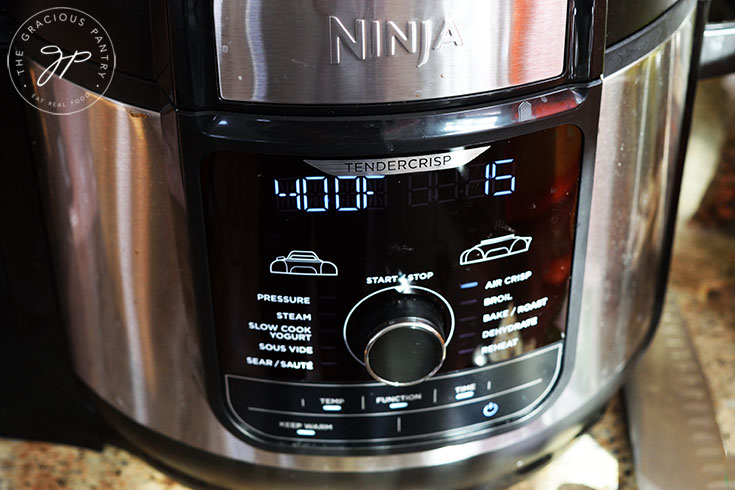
[
  {"x": 406, "y": 350},
  {"x": 400, "y": 334}
]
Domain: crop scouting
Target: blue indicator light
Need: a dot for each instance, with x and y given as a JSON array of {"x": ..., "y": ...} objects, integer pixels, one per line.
[
  {"x": 332, "y": 408},
  {"x": 490, "y": 409},
  {"x": 468, "y": 285},
  {"x": 305, "y": 432},
  {"x": 397, "y": 405},
  {"x": 464, "y": 395}
]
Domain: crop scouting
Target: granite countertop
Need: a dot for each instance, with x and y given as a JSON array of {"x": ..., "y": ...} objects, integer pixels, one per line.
[{"x": 701, "y": 286}]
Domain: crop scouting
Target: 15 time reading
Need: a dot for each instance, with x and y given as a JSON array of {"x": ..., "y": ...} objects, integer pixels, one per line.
[{"x": 316, "y": 194}]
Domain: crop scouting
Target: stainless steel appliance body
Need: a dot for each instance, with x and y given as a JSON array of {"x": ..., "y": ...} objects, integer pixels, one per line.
[{"x": 379, "y": 243}]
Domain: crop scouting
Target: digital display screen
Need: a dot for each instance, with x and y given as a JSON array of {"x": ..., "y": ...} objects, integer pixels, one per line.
[
  {"x": 293, "y": 249},
  {"x": 321, "y": 193}
]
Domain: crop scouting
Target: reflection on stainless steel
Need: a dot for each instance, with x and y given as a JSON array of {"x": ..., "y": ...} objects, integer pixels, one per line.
[
  {"x": 669, "y": 390},
  {"x": 718, "y": 50},
  {"x": 285, "y": 52},
  {"x": 639, "y": 131},
  {"x": 118, "y": 226}
]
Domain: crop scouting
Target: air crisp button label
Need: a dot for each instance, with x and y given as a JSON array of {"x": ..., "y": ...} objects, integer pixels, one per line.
[{"x": 507, "y": 280}]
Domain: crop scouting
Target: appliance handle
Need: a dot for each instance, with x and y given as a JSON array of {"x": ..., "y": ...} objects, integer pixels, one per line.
[{"x": 718, "y": 50}]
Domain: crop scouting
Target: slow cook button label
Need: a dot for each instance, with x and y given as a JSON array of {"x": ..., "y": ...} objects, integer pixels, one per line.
[{"x": 295, "y": 333}]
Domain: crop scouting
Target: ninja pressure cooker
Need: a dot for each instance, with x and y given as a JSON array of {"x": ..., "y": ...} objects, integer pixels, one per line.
[{"x": 379, "y": 243}]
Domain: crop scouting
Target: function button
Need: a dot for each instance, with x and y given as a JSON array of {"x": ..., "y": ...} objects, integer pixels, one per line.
[
  {"x": 388, "y": 399},
  {"x": 380, "y": 403}
]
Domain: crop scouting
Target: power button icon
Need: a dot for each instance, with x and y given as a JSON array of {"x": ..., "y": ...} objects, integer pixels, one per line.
[{"x": 490, "y": 409}]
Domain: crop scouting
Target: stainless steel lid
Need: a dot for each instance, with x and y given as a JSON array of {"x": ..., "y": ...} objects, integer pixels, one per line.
[{"x": 360, "y": 51}]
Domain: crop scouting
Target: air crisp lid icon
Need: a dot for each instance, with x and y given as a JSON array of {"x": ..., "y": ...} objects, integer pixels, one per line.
[{"x": 495, "y": 248}]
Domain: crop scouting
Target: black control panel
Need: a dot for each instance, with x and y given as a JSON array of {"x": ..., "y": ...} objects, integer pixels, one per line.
[
  {"x": 392, "y": 299},
  {"x": 372, "y": 413}
]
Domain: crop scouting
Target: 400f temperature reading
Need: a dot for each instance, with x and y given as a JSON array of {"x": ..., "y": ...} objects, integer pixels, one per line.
[{"x": 318, "y": 194}]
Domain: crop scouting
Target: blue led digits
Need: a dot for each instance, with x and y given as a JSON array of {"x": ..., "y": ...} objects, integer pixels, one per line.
[
  {"x": 312, "y": 193},
  {"x": 289, "y": 200},
  {"x": 298, "y": 195},
  {"x": 315, "y": 193},
  {"x": 366, "y": 192},
  {"x": 498, "y": 173},
  {"x": 349, "y": 195}
]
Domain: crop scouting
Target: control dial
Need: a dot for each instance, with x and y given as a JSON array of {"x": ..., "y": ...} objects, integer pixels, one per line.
[{"x": 400, "y": 334}]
